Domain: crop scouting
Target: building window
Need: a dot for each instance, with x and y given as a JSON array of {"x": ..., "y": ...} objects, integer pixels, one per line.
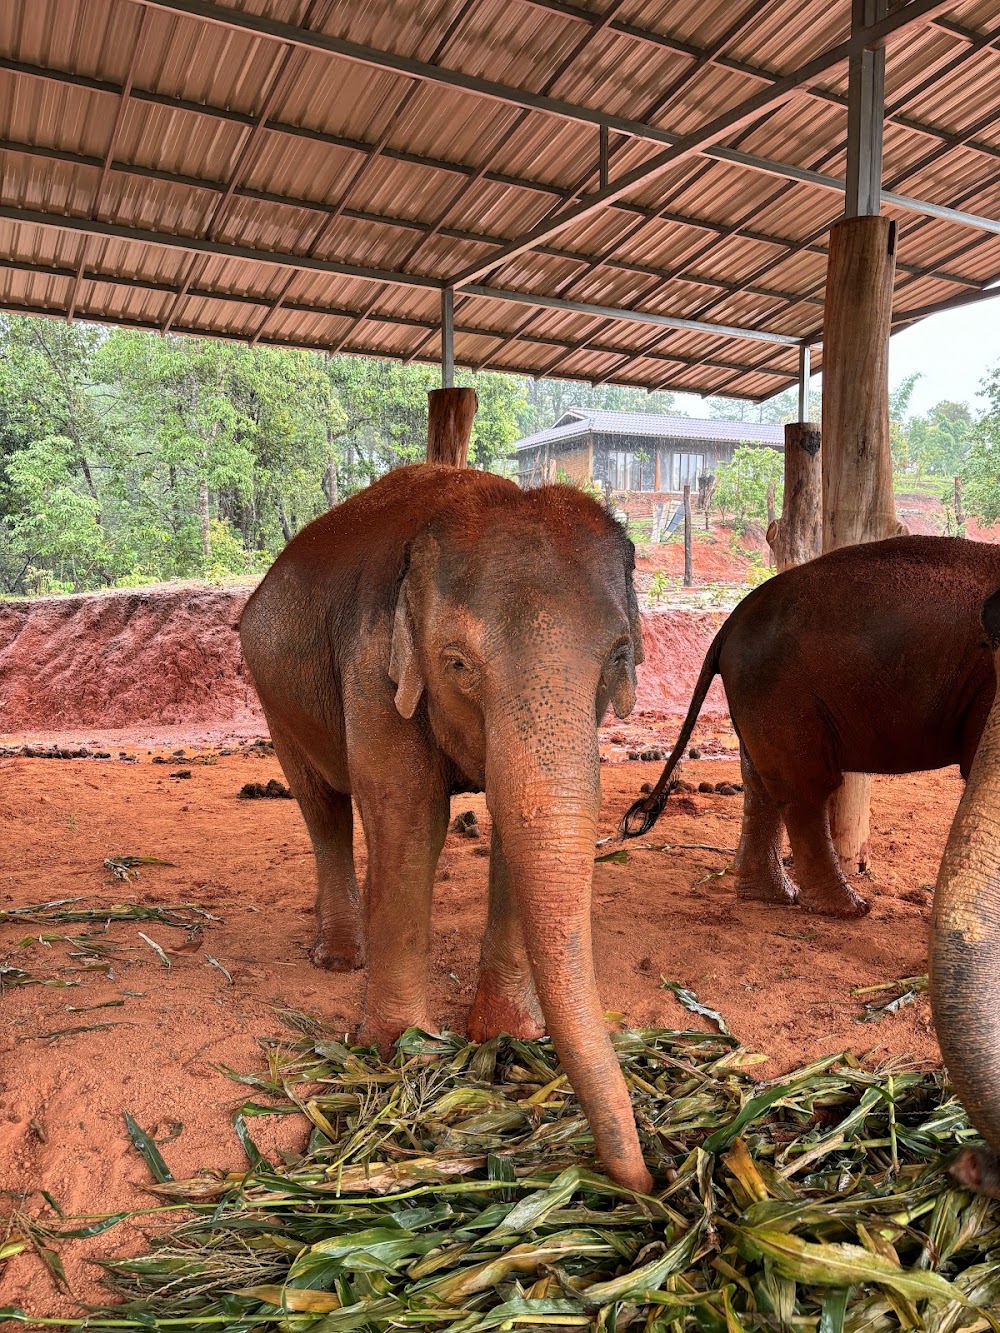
[
  {"x": 685, "y": 469},
  {"x": 624, "y": 470}
]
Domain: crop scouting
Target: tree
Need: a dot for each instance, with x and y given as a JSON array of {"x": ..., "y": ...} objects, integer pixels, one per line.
[
  {"x": 776, "y": 411},
  {"x": 547, "y": 400},
  {"x": 386, "y": 407},
  {"x": 940, "y": 440},
  {"x": 981, "y": 469},
  {"x": 742, "y": 484}
]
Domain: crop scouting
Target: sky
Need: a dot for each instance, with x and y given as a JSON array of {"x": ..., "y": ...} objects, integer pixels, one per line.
[{"x": 951, "y": 352}]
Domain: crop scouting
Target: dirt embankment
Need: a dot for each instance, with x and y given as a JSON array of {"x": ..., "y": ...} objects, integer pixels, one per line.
[{"x": 171, "y": 658}]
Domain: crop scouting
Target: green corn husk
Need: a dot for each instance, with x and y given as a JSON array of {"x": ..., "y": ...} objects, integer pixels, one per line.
[{"x": 454, "y": 1187}]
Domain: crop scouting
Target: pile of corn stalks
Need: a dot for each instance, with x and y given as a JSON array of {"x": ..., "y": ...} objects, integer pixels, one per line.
[{"x": 454, "y": 1188}]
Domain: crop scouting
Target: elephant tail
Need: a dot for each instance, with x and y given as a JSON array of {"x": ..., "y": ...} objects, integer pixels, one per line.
[{"x": 640, "y": 817}]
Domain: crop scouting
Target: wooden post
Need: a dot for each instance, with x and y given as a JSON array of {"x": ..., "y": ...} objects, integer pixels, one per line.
[
  {"x": 858, "y": 502},
  {"x": 450, "y": 414},
  {"x": 959, "y": 509},
  {"x": 656, "y": 470},
  {"x": 797, "y": 536},
  {"x": 688, "y": 572}
]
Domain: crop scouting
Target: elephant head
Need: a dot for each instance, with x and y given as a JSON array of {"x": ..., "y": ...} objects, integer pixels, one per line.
[
  {"x": 965, "y": 946},
  {"x": 516, "y": 626}
]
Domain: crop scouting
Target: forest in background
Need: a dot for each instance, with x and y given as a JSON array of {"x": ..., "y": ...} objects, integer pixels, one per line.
[{"x": 127, "y": 458}]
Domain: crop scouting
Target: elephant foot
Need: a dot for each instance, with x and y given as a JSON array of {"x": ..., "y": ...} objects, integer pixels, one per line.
[
  {"x": 838, "y": 900},
  {"x": 500, "y": 1009},
  {"x": 336, "y": 955},
  {"x": 767, "y": 889}
]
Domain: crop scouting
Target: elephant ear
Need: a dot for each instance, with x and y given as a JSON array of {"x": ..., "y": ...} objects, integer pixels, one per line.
[{"x": 404, "y": 666}]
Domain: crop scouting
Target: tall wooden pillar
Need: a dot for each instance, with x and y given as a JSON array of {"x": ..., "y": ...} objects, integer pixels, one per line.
[
  {"x": 450, "y": 414},
  {"x": 797, "y": 536},
  {"x": 858, "y": 502}
]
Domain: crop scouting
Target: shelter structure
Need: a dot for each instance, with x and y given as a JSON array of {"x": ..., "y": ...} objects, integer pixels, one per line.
[
  {"x": 675, "y": 194},
  {"x": 642, "y": 452}
]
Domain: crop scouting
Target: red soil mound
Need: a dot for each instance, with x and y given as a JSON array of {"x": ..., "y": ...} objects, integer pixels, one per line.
[
  {"x": 170, "y": 657},
  {"x": 124, "y": 658}
]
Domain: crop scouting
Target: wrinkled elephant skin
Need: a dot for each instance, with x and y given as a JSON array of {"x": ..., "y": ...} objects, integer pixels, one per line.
[
  {"x": 440, "y": 632},
  {"x": 868, "y": 660}
]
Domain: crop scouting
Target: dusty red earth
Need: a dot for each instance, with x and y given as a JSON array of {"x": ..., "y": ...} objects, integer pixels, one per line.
[
  {"x": 783, "y": 979},
  {"x": 165, "y": 663},
  {"x": 128, "y": 670}
]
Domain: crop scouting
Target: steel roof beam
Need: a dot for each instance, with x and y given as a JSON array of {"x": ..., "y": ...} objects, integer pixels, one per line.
[
  {"x": 273, "y": 259},
  {"x": 220, "y": 249},
  {"x": 637, "y": 316},
  {"x": 778, "y": 91},
  {"x": 438, "y": 164},
  {"x": 404, "y": 224},
  {"x": 121, "y": 321},
  {"x": 344, "y": 312}
]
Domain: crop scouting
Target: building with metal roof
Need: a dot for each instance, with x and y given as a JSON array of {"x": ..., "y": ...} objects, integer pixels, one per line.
[{"x": 635, "y": 451}]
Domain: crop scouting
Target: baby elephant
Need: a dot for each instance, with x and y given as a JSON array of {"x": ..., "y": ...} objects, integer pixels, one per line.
[{"x": 441, "y": 632}]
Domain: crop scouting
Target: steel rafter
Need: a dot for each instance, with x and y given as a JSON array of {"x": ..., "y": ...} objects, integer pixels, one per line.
[
  {"x": 225, "y": 297},
  {"x": 506, "y": 136},
  {"x": 122, "y": 321},
  {"x": 407, "y": 224},
  {"x": 395, "y": 119},
  {"x": 286, "y": 67},
  {"x": 201, "y": 246},
  {"x": 393, "y": 62},
  {"x": 606, "y": 160},
  {"x": 109, "y": 155}
]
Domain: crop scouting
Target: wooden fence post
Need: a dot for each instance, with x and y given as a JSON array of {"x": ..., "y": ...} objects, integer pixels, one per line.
[
  {"x": 688, "y": 571},
  {"x": 450, "y": 414},
  {"x": 858, "y": 500},
  {"x": 797, "y": 536}
]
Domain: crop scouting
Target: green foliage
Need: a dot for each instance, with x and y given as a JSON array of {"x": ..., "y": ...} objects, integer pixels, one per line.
[
  {"x": 545, "y": 401},
  {"x": 659, "y": 586},
  {"x": 742, "y": 484},
  {"x": 126, "y": 458},
  {"x": 981, "y": 469}
]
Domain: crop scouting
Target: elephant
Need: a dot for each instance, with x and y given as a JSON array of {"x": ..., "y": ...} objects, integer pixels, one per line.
[
  {"x": 964, "y": 947},
  {"x": 444, "y": 631},
  {"x": 869, "y": 659}
]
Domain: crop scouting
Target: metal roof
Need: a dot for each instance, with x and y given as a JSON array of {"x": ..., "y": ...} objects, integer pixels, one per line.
[
  {"x": 579, "y": 421},
  {"x": 615, "y": 186}
]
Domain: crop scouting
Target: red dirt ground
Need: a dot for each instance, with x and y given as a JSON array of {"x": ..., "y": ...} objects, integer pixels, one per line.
[
  {"x": 129, "y": 670},
  {"x": 783, "y": 979}
]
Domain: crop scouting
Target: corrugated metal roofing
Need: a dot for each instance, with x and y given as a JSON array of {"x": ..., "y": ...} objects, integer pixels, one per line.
[
  {"x": 579, "y": 421},
  {"x": 282, "y": 171}
]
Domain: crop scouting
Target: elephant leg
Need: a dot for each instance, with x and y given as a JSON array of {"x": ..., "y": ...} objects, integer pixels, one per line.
[
  {"x": 339, "y": 944},
  {"x": 760, "y": 875},
  {"x": 405, "y": 830},
  {"x": 505, "y": 998},
  {"x": 822, "y": 886}
]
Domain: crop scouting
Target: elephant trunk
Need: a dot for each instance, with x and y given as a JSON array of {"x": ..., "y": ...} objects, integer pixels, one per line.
[
  {"x": 543, "y": 789},
  {"x": 965, "y": 947}
]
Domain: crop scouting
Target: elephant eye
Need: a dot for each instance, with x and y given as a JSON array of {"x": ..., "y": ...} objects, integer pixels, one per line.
[{"x": 456, "y": 666}]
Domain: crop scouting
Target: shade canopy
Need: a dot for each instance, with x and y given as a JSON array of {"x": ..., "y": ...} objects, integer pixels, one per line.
[{"x": 628, "y": 191}]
